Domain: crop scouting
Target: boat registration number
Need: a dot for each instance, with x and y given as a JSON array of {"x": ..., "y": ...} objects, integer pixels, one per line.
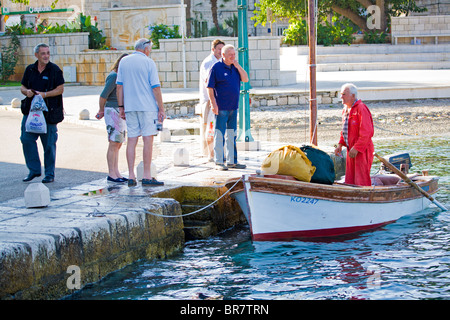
[{"x": 304, "y": 200}]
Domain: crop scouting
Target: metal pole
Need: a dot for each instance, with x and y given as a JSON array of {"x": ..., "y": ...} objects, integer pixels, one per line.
[
  {"x": 312, "y": 73},
  {"x": 244, "y": 99}
]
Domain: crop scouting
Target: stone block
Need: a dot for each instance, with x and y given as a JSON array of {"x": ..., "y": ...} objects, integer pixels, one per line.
[
  {"x": 37, "y": 195},
  {"x": 15, "y": 103},
  {"x": 181, "y": 157},
  {"x": 140, "y": 171},
  {"x": 84, "y": 114},
  {"x": 164, "y": 135}
]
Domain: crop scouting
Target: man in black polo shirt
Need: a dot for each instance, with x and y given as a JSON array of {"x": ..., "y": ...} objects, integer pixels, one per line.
[{"x": 46, "y": 79}]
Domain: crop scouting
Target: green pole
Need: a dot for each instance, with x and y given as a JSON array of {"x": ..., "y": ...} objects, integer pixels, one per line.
[{"x": 244, "y": 98}]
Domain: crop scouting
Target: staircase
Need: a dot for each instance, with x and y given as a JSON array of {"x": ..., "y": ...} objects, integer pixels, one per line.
[{"x": 363, "y": 57}]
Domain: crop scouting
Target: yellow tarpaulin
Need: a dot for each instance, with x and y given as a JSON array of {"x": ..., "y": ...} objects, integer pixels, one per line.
[{"x": 289, "y": 160}]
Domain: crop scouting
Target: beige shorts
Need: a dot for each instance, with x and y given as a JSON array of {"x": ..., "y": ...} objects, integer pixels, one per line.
[{"x": 141, "y": 123}]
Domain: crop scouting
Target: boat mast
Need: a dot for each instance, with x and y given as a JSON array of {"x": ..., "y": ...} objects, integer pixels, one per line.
[{"x": 312, "y": 72}]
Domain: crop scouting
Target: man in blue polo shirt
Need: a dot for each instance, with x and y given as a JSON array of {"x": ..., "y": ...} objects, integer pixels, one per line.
[{"x": 223, "y": 90}]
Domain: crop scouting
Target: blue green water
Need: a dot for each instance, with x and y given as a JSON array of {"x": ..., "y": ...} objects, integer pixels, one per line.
[{"x": 409, "y": 259}]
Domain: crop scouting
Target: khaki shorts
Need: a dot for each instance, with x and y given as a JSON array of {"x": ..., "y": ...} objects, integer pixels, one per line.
[{"x": 141, "y": 123}]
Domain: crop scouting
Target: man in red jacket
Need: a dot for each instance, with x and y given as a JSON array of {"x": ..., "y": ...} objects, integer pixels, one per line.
[{"x": 356, "y": 135}]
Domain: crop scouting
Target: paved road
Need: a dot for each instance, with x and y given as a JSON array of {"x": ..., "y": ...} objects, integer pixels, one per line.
[{"x": 81, "y": 156}]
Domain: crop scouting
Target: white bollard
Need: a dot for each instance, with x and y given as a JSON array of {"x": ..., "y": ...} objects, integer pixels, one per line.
[
  {"x": 181, "y": 157},
  {"x": 140, "y": 171},
  {"x": 84, "y": 114},
  {"x": 37, "y": 195},
  {"x": 164, "y": 135},
  {"x": 15, "y": 103}
]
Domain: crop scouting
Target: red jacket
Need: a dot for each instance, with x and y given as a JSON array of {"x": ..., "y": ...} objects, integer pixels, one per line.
[{"x": 360, "y": 133}]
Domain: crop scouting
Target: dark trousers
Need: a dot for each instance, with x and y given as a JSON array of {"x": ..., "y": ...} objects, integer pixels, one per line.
[{"x": 30, "y": 149}]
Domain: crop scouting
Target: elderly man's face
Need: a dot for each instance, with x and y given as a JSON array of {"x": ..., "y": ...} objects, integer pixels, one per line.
[
  {"x": 43, "y": 55},
  {"x": 347, "y": 97},
  {"x": 229, "y": 56}
]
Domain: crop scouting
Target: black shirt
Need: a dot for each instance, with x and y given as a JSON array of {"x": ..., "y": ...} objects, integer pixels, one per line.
[{"x": 47, "y": 80}]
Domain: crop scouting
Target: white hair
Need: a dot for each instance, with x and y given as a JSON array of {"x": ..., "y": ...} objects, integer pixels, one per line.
[
  {"x": 142, "y": 43},
  {"x": 227, "y": 47},
  {"x": 351, "y": 89}
]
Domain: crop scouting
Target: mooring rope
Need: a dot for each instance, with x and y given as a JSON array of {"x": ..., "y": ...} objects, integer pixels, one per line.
[{"x": 196, "y": 211}]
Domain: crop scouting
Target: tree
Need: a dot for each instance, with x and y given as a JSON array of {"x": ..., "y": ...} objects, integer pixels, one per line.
[{"x": 355, "y": 10}]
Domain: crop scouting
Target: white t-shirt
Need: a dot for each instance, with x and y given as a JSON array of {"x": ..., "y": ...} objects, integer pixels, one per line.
[
  {"x": 138, "y": 75},
  {"x": 205, "y": 69}
]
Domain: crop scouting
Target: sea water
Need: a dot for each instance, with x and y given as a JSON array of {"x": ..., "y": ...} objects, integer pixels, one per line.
[{"x": 408, "y": 259}]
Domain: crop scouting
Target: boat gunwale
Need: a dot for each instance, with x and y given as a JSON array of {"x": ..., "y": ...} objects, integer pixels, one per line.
[{"x": 342, "y": 193}]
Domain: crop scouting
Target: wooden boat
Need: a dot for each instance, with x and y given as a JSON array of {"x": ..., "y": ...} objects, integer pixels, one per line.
[{"x": 282, "y": 208}]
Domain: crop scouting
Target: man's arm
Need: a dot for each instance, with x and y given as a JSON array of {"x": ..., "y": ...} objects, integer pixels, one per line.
[
  {"x": 212, "y": 101},
  {"x": 159, "y": 101}
]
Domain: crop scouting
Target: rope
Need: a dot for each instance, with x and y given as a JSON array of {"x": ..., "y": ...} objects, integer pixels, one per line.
[{"x": 196, "y": 211}]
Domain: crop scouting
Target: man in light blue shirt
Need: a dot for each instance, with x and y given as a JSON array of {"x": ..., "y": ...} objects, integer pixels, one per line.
[{"x": 140, "y": 104}]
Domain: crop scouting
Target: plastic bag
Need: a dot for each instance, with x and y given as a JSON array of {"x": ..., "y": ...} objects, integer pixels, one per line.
[
  {"x": 38, "y": 104},
  {"x": 289, "y": 160},
  {"x": 210, "y": 124},
  {"x": 36, "y": 121}
]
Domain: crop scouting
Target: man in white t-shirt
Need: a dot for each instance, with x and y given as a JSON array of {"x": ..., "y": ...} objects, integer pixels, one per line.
[
  {"x": 140, "y": 104},
  {"x": 205, "y": 68}
]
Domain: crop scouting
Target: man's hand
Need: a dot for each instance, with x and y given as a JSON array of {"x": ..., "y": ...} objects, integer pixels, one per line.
[{"x": 353, "y": 152}]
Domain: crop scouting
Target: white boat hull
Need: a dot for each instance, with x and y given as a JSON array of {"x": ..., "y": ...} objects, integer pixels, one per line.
[{"x": 274, "y": 216}]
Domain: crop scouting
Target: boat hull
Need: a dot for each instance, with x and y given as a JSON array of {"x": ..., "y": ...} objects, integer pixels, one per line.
[{"x": 284, "y": 210}]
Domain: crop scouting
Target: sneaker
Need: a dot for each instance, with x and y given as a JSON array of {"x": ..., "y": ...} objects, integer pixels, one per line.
[
  {"x": 132, "y": 182},
  {"x": 236, "y": 166},
  {"x": 221, "y": 166},
  {"x": 151, "y": 182}
]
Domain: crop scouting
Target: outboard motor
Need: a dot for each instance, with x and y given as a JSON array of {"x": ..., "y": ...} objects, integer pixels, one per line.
[{"x": 401, "y": 161}]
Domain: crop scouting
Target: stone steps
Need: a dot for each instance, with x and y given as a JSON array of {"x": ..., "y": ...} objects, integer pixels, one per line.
[
  {"x": 364, "y": 57},
  {"x": 365, "y": 66}
]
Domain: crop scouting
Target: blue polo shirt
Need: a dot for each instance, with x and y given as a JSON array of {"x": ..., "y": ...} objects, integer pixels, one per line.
[{"x": 226, "y": 82}]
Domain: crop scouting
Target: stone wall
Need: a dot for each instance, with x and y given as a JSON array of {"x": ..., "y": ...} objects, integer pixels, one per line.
[
  {"x": 264, "y": 59},
  {"x": 92, "y": 67},
  {"x": 406, "y": 28}
]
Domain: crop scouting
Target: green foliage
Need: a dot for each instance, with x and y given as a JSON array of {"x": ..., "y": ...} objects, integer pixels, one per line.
[
  {"x": 81, "y": 24},
  {"x": 10, "y": 56},
  {"x": 297, "y": 33},
  {"x": 340, "y": 31},
  {"x": 373, "y": 36},
  {"x": 161, "y": 31},
  {"x": 96, "y": 38}
]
